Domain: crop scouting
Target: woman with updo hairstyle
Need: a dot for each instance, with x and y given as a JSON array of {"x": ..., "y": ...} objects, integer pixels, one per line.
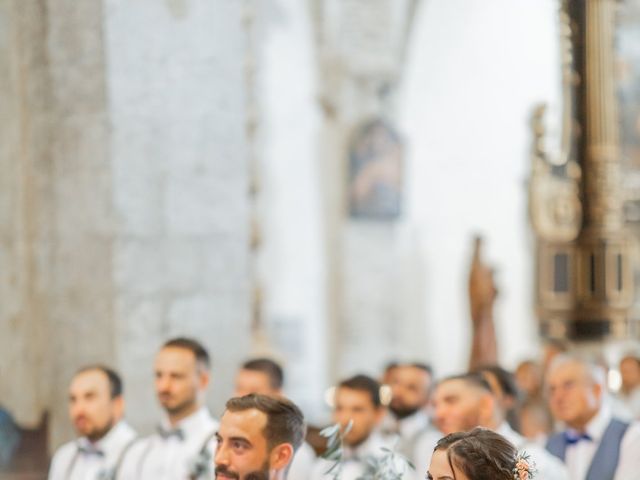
[{"x": 479, "y": 454}]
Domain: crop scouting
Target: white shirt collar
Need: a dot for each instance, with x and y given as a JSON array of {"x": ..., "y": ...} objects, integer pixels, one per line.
[
  {"x": 599, "y": 423},
  {"x": 111, "y": 441},
  {"x": 199, "y": 419},
  {"x": 407, "y": 426}
]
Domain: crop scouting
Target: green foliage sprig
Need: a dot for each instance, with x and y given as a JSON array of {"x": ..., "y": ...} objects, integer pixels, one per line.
[{"x": 388, "y": 466}]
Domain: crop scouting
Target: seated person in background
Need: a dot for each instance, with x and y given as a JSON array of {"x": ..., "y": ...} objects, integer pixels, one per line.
[
  {"x": 257, "y": 439},
  {"x": 9, "y": 438},
  {"x": 96, "y": 408},
  {"x": 463, "y": 402},
  {"x": 259, "y": 375},
  {"x": 528, "y": 376},
  {"x": 184, "y": 443},
  {"x": 595, "y": 445},
  {"x": 629, "y": 394},
  {"x": 388, "y": 371},
  {"x": 536, "y": 422},
  {"x": 505, "y": 390},
  {"x": 357, "y": 399},
  {"x": 266, "y": 377},
  {"x": 407, "y": 418},
  {"x": 479, "y": 454}
]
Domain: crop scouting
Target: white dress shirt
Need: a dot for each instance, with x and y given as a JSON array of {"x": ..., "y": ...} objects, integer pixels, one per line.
[
  {"x": 355, "y": 460},
  {"x": 423, "y": 451},
  {"x": 174, "y": 453},
  {"x": 302, "y": 463},
  {"x": 578, "y": 457},
  {"x": 631, "y": 403},
  {"x": 406, "y": 431},
  {"x": 548, "y": 466},
  {"x": 84, "y": 460}
]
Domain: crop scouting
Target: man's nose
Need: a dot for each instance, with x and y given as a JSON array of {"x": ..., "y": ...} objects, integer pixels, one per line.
[
  {"x": 221, "y": 457},
  {"x": 163, "y": 383}
]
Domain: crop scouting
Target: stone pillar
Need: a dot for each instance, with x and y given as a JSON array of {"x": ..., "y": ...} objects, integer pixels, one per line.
[
  {"x": 26, "y": 210},
  {"x": 125, "y": 212}
]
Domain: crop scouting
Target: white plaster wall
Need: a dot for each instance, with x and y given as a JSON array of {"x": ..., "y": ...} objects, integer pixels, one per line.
[
  {"x": 180, "y": 264},
  {"x": 475, "y": 70},
  {"x": 293, "y": 256}
]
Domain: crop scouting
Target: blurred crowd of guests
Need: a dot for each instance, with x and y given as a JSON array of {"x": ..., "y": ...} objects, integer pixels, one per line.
[{"x": 558, "y": 409}]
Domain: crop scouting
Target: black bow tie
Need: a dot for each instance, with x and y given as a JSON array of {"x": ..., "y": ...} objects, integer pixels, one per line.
[{"x": 168, "y": 433}]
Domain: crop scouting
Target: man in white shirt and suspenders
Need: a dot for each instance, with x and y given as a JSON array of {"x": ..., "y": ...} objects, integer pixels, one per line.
[
  {"x": 96, "y": 408},
  {"x": 183, "y": 446}
]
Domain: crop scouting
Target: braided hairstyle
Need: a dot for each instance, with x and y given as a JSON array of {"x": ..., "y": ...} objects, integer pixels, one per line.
[{"x": 480, "y": 454}]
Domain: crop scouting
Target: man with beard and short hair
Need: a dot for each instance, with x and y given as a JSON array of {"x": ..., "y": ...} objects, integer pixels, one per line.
[
  {"x": 266, "y": 377},
  {"x": 463, "y": 402},
  {"x": 407, "y": 417},
  {"x": 96, "y": 408},
  {"x": 357, "y": 400},
  {"x": 258, "y": 437},
  {"x": 183, "y": 446}
]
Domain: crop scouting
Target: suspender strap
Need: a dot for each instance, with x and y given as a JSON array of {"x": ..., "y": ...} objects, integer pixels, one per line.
[
  {"x": 202, "y": 461},
  {"x": 123, "y": 453}
]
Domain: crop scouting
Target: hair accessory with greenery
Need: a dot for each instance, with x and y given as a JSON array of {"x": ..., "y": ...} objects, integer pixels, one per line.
[{"x": 525, "y": 468}]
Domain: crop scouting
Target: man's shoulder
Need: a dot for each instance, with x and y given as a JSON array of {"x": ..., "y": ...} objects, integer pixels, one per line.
[
  {"x": 319, "y": 468},
  {"x": 67, "y": 449},
  {"x": 429, "y": 436},
  {"x": 62, "y": 457}
]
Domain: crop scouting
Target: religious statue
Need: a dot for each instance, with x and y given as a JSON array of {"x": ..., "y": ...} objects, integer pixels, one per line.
[{"x": 482, "y": 295}]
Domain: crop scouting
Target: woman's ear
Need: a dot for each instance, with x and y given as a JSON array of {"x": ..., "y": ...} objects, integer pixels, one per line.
[{"x": 281, "y": 456}]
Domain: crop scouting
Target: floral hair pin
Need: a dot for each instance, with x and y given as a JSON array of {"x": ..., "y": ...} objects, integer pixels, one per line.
[{"x": 525, "y": 468}]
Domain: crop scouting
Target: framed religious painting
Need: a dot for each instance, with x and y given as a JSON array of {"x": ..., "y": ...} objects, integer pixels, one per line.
[{"x": 375, "y": 171}]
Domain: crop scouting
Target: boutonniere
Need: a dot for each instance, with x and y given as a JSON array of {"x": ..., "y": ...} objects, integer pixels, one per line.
[
  {"x": 106, "y": 474},
  {"x": 200, "y": 465}
]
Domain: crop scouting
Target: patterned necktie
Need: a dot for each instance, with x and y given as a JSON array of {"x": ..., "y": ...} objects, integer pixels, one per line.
[
  {"x": 571, "y": 437},
  {"x": 168, "y": 433}
]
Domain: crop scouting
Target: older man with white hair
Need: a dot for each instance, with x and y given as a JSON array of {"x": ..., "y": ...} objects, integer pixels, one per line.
[{"x": 595, "y": 445}]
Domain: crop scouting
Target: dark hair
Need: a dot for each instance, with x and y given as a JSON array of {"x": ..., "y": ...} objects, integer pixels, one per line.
[
  {"x": 115, "y": 382},
  {"x": 285, "y": 422},
  {"x": 474, "y": 379},
  {"x": 364, "y": 383},
  {"x": 480, "y": 454},
  {"x": 391, "y": 365},
  {"x": 270, "y": 368},
  {"x": 505, "y": 379},
  {"x": 195, "y": 347},
  {"x": 421, "y": 366}
]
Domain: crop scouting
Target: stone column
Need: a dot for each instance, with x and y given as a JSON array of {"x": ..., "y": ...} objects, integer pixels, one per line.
[{"x": 124, "y": 196}]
